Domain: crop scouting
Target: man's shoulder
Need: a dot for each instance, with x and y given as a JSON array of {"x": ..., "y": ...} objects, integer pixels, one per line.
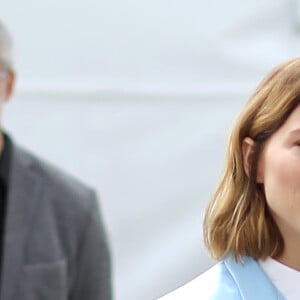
[
  {"x": 56, "y": 183},
  {"x": 214, "y": 284}
]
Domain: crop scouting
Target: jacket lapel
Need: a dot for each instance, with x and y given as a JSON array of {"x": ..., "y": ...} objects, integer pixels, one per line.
[
  {"x": 23, "y": 193},
  {"x": 251, "y": 280}
]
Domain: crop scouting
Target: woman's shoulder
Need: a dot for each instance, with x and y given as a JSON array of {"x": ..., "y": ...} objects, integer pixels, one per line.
[
  {"x": 229, "y": 280},
  {"x": 214, "y": 284}
]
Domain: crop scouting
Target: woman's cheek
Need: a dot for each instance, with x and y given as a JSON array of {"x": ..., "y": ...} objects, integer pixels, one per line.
[{"x": 282, "y": 182}]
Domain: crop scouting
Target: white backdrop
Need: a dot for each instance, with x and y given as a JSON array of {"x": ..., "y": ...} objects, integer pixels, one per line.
[
  {"x": 137, "y": 98},
  {"x": 154, "y": 164},
  {"x": 149, "y": 45}
]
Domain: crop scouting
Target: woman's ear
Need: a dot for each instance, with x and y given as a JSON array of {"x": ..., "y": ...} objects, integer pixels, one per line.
[{"x": 247, "y": 148}]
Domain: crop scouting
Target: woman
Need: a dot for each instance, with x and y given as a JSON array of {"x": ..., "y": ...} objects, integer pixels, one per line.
[{"x": 252, "y": 224}]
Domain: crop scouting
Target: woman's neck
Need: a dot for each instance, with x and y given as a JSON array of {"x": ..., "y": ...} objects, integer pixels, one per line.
[{"x": 290, "y": 256}]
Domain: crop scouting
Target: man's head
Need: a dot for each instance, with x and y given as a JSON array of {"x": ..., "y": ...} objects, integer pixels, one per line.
[{"x": 7, "y": 75}]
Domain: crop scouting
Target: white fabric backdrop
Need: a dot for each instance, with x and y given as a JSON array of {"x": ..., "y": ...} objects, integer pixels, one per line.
[
  {"x": 149, "y": 45},
  {"x": 139, "y": 96},
  {"x": 154, "y": 164}
]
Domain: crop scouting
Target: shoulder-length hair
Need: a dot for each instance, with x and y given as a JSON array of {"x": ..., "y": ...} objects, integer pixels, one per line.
[{"x": 238, "y": 220}]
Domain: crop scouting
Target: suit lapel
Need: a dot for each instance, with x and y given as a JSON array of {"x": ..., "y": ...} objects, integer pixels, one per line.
[{"x": 23, "y": 193}]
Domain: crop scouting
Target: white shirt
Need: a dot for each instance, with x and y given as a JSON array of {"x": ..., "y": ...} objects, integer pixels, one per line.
[{"x": 284, "y": 278}]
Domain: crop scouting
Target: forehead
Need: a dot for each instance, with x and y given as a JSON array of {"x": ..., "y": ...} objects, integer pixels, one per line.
[
  {"x": 293, "y": 120},
  {"x": 289, "y": 128}
]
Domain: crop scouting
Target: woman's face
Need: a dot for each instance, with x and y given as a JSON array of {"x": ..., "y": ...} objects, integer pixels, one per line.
[{"x": 279, "y": 171}]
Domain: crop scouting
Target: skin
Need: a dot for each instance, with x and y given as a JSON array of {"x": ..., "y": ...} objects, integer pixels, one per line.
[{"x": 279, "y": 172}]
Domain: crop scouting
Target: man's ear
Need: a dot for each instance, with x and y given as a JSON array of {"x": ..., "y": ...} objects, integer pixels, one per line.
[
  {"x": 247, "y": 149},
  {"x": 10, "y": 84}
]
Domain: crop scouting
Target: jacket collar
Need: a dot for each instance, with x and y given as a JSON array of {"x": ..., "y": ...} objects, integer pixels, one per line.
[
  {"x": 24, "y": 191},
  {"x": 251, "y": 280}
]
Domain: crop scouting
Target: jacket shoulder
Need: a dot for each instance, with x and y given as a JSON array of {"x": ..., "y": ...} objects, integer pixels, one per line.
[
  {"x": 214, "y": 284},
  {"x": 66, "y": 207},
  {"x": 58, "y": 185}
]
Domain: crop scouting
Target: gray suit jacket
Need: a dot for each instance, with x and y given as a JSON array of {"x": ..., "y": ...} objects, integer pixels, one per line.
[{"x": 55, "y": 246}]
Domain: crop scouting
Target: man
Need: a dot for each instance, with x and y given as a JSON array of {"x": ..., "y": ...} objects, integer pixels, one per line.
[{"x": 52, "y": 242}]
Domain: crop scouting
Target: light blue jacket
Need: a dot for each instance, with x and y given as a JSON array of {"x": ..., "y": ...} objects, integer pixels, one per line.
[{"x": 229, "y": 280}]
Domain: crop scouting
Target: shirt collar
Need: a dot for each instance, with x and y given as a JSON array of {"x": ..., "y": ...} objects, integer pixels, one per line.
[
  {"x": 5, "y": 158},
  {"x": 251, "y": 280}
]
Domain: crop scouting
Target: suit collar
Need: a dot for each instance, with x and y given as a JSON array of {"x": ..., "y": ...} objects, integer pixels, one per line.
[
  {"x": 5, "y": 158},
  {"x": 251, "y": 280},
  {"x": 23, "y": 193}
]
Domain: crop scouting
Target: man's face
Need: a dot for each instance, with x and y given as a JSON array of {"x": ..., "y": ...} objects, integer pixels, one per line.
[
  {"x": 6, "y": 84},
  {"x": 3, "y": 84}
]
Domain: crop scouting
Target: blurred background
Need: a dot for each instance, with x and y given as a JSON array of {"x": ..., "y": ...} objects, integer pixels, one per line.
[{"x": 137, "y": 98}]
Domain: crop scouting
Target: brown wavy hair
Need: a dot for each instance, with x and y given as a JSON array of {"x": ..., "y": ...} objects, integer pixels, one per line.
[{"x": 237, "y": 220}]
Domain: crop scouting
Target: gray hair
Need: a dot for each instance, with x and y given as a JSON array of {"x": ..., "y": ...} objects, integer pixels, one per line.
[{"x": 6, "y": 47}]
